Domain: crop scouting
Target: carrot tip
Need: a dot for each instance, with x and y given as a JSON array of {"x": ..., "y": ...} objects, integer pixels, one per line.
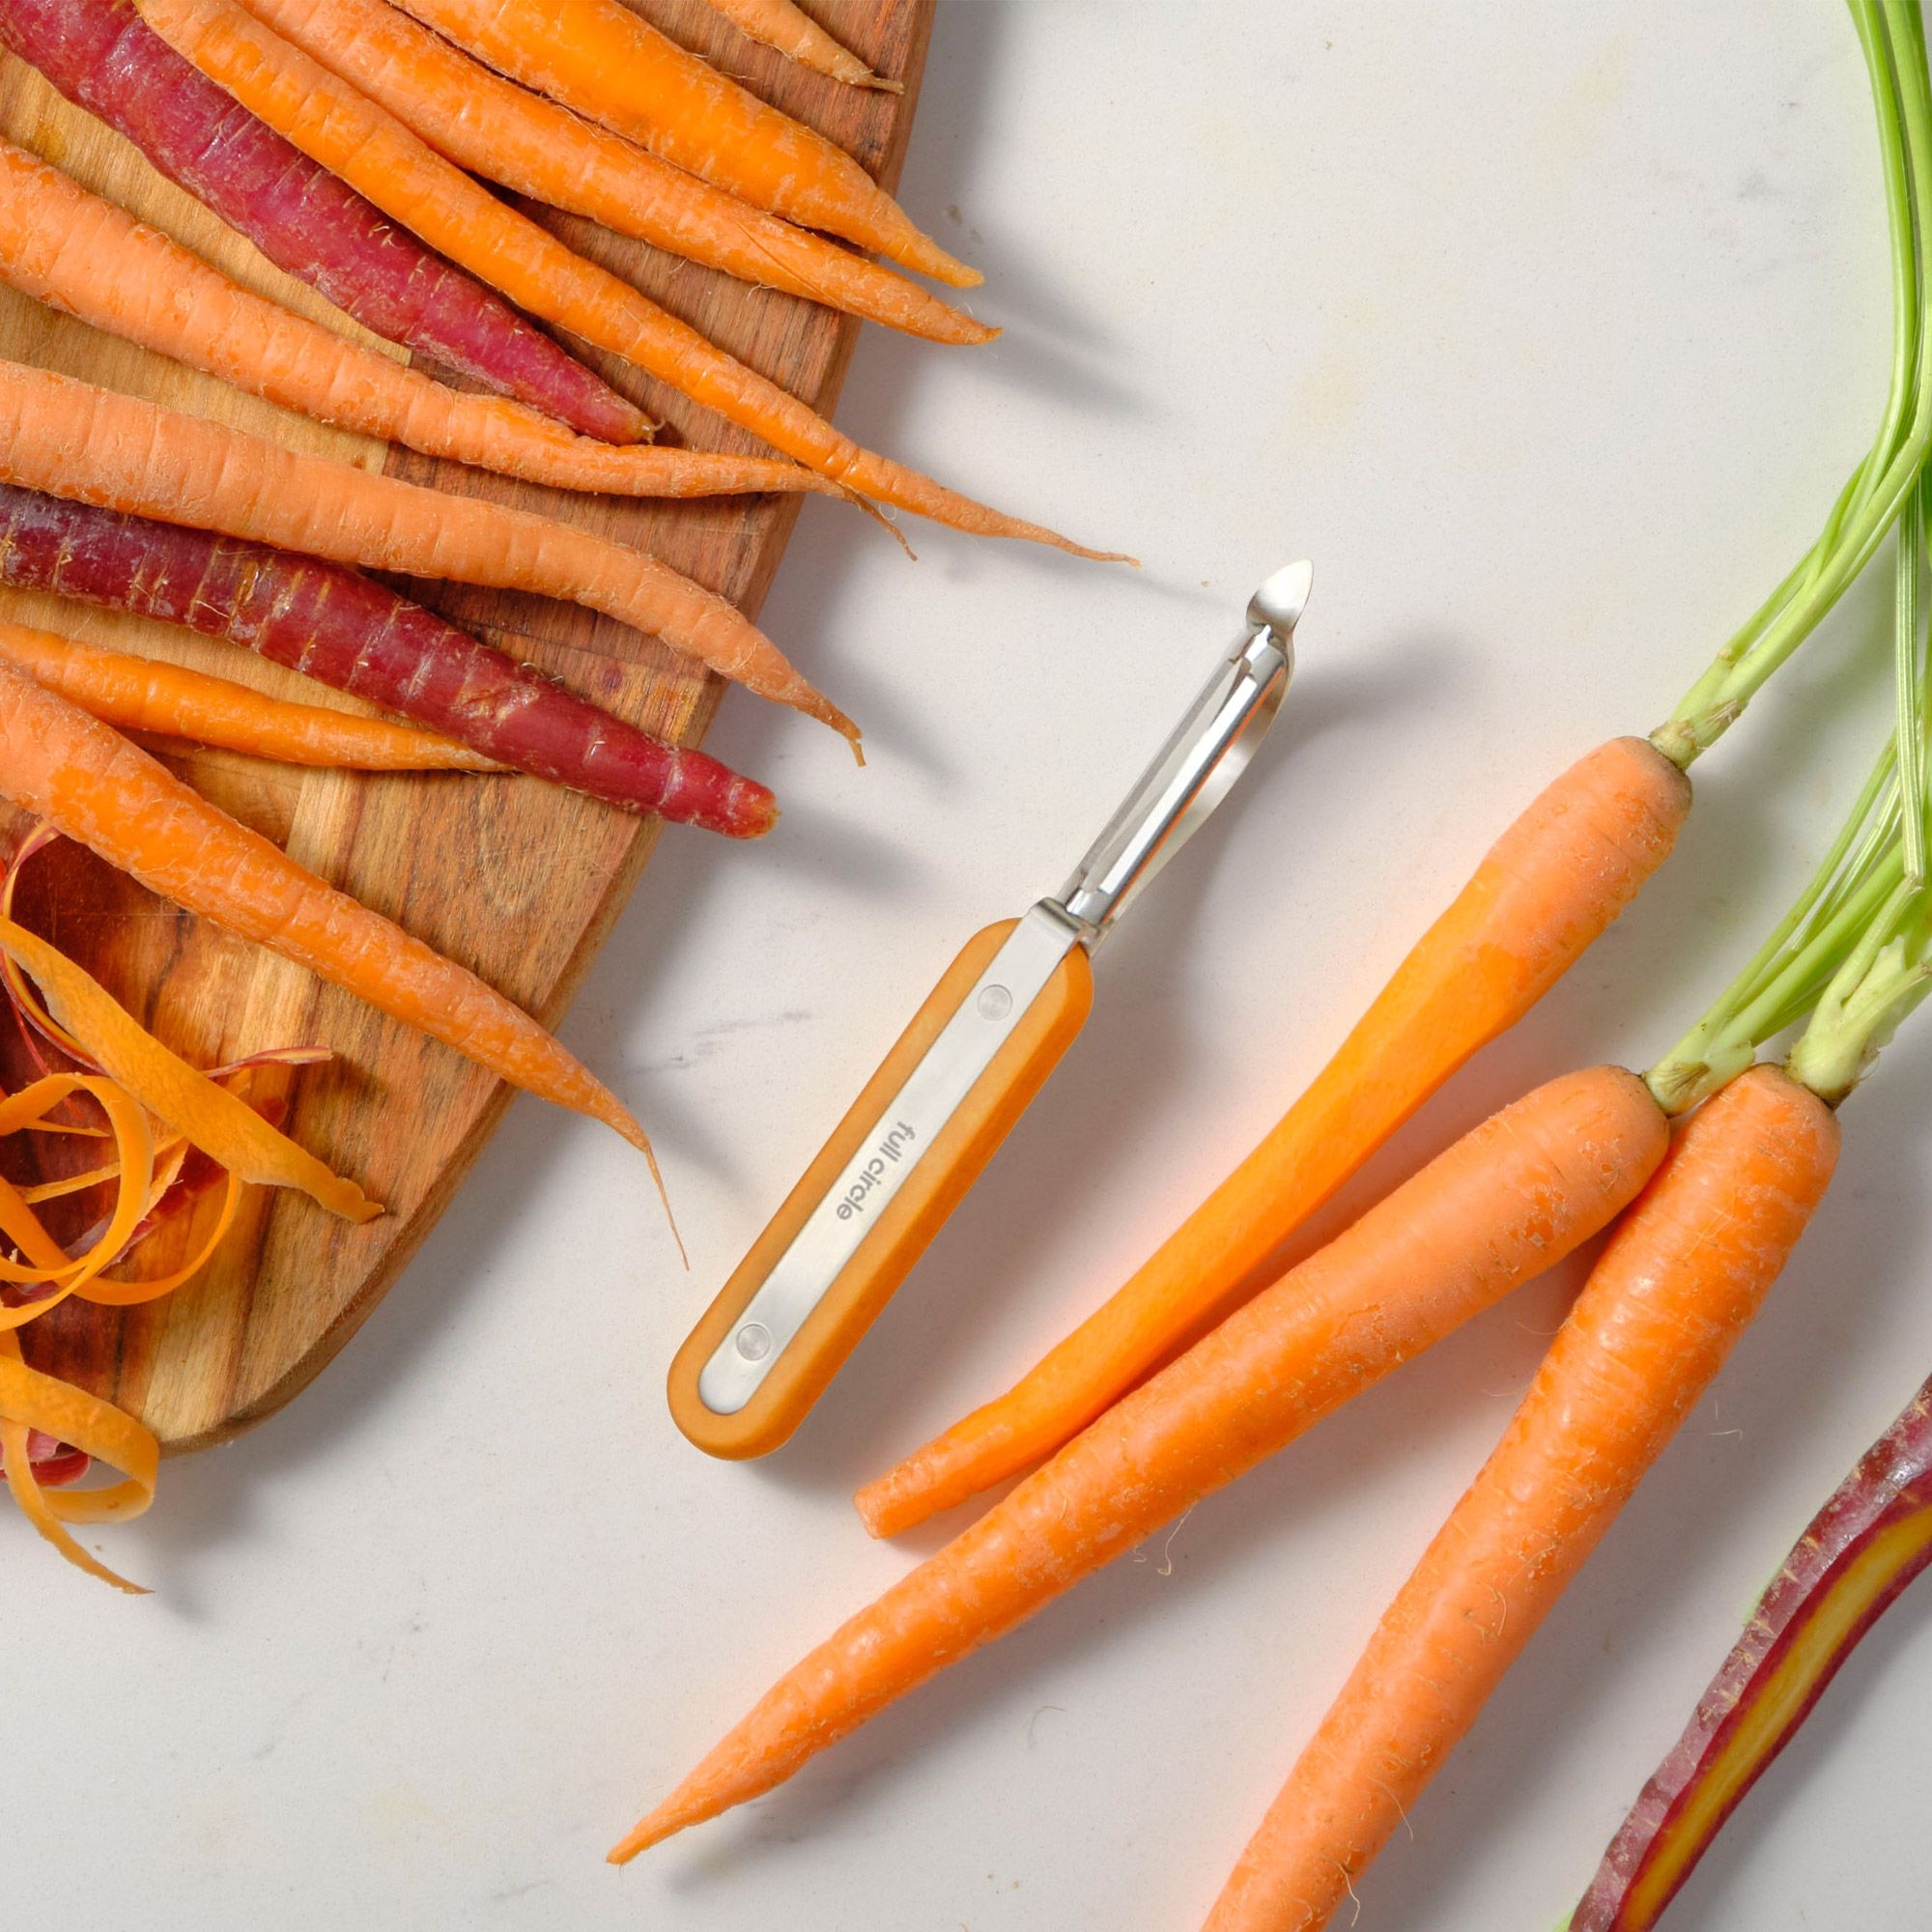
[
  {"x": 884, "y": 522},
  {"x": 1036, "y": 533},
  {"x": 748, "y": 810},
  {"x": 613, "y": 1114},
  {"x": 650, "y": 1829},
  {"x": 817, "y": 704},
  {"x": 664, "y": 1197},
  {"x": 925, "y": 255}
]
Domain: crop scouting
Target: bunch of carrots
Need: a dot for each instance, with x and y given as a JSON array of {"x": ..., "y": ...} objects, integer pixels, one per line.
[
  {"x": 1707, "y": 1167},
  {"x": 360, "y": 147}
]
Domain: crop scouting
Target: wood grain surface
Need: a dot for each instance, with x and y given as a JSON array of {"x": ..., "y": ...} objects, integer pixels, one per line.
[{"x": 515, "y": 878}]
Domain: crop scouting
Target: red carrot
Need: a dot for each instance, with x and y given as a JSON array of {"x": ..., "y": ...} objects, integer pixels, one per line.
[
  {"x": 1857, "y": 1557},
  {"x": 344, "y": 630},
  {"x": 100, "y": 55}
]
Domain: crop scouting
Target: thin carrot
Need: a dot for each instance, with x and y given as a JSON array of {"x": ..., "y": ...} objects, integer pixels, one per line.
[
  {"x": 330, "y": 122},
  {"x": 88, "y": 258},
  {"x": 100, "y": 55},
  {"x": 1547, "y": 889},
  {"x": 603, "y": 60},
  {"x": 1679, "y": 1283},
  {"x": 1500, "y": 1207},
  {"x": 168, "y": 700},
  {"x": 1855, "y": 1559},
  {"x": 90, "y": 782},
  {"x": 348, "y": 631},
  {"x": 96, "y": 446},
  {"x": 794, "y": 32},
  {"x": 528, "y": 142}
]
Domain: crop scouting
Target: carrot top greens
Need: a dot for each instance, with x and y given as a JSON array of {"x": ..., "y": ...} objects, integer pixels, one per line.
[
  {"x": 1855, "y": 950},
  {"x": 1892, "y": 36}
]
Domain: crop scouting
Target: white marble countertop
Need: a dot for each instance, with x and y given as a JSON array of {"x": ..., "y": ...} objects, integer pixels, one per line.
[{"x": 1547, "y": 331}]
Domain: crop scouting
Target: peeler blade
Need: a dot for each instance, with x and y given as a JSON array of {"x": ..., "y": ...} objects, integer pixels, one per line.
[{"x": 1197, "y": 767}]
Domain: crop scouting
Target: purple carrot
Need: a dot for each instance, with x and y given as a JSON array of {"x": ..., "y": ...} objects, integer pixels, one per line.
[
  {"x": 103, "y": 57},
  {"x": 1855, "y": 1558},
  {"x": 346, "y": 630}
]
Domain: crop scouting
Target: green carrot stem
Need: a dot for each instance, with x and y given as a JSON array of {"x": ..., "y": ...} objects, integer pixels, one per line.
[
  {"x": 1817, "y": 894},
  {"x": 1871, "y": 501},
  {"x": 1907, "y": 682},
  {"x": 1878, "y": 987}
]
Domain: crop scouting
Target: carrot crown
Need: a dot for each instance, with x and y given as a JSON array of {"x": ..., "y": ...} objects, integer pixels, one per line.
[
  {"x": 1878, "y": 491},
  {"x": 1855, "y": 950}
]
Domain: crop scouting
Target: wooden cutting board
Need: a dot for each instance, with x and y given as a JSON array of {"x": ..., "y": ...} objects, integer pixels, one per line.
[{"x": 515, "y": 878}]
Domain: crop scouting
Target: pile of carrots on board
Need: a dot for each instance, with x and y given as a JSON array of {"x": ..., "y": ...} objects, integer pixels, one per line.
[
  {"x": 1706, "y": 1168},
  {"x": 360, "y": 147}
]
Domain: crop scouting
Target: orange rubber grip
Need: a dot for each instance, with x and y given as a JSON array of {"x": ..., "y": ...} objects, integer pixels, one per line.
[{"x": 929, "y": 1193}]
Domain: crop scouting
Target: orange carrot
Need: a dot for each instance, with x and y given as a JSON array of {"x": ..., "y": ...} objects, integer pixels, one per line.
[
  {"x": 88, "y": 782},
  {"x": 795, "y": 34},
  {"x": 1500, "y": 1207},
  {"x": 495, "y": 128},
  {"x": 168, "y": 700},
  {"x": 1548, "y": 888},
  {"x": 600, "y": 58},
  {"x": 329, "y": 121},
  {"x": 1679, "y": 1283},
  {"x": 86, "y": 257},
  {"x": 95, "y": 446}
]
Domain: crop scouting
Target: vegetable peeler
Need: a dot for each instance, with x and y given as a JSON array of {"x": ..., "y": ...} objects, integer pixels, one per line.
[{"x": 959, "y": 1077}]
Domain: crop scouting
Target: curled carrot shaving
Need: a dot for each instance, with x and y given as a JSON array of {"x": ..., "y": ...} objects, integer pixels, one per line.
[
  {"x": 107, "y": 1294},
  {"x": 158, "y": 1112},
  {"x": 31, "y": 1401},
  {"x": 214, "y": 1120},
  {"x": 44, "y": 1262}
]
